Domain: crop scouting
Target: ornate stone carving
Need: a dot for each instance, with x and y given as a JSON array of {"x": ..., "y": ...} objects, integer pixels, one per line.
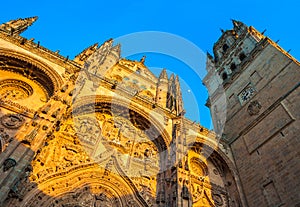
[
  {"x": 88, "y": 129},
  {"x": 19, "y": 189},
  {"x": 254, "y": 108},
  {"x": 185, "y": 191},
  {"x": 15, "y": 89},
  {"x": 218, "y": 200},
  {"x": 8, "y": 163},
  {"x": 12, "y": 121},
  {"x": 30, "y": 137},
  {"x": 198, "y": 167}
]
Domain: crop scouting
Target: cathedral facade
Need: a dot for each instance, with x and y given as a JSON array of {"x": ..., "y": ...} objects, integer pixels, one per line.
[{"x": 102, "y": 130}]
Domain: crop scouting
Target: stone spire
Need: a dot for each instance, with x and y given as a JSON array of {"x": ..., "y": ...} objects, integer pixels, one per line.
[
  {"x": 236, "y": 23},
  {"x": 107, "y": 45},
  {"x": 238, "y": 26},
  {"x": 179, "y": 102},
  {"x": 85, "y": 54},
  {"x": 163, "y": 75},
  {"x": 117, "y": 50},
  {"x": 171, "y": 81},
  {"x": 171, "y": 93},
  {"x": 162, "y": 89},
  {"x": 143, "y": 59},
  {"x": 103, "y": 58},
  {"x": 16, "y": 27},
  {"x": 209, "y": 56}
]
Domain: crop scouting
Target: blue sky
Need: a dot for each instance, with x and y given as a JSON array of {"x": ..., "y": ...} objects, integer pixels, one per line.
[{"x": 71, "y": 26}]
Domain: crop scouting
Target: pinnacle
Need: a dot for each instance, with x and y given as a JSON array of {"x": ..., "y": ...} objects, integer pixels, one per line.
[
  {"x": 177, "y": 80},
  {"x": 117, "y": 48},
  {"x": 163, "y": 74},
  {"x": 172, "y": 77},
  {"x": 19, "y": 25},
  {"x": 237, "y": 23},
  {"x": 81, "y": 57},
  {"x": 143, "y": 59}
]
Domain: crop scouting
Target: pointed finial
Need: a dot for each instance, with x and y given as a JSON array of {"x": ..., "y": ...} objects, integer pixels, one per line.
[
  {"x": 234, "y": 22},
  {"x": 86, "y": 53},
  {"x": 117, "y": 48},
  {"x": 264, "y": 31},
  {"x": 163, "y": 74},
  {"x": 18, "y": 26},
  {"x": 222, "y": 30},
  {"x": 106, "y": 46},
  {"x": 177, "y": 80},
  {"x": 238, "y": 24},
  {"x": 209, "y": 55},
  {"x": 110, "y": 40},
  {"x": 172, "y": 78},
  {"x": 108, "y": 43},
  {"x": 143, "y": 59}
]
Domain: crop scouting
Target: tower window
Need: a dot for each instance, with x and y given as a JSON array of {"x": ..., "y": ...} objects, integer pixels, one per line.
[
  {"x": 225, "y": 47},
  {"x": 242, "y": 56},
  {"x": 232, "y": 67},
  {"x": 224, "y": 76}
]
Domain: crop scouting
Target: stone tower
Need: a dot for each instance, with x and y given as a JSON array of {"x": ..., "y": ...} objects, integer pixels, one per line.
[
  {"x": 101, "y": 130},
  {"x": 254, "y": 101}
]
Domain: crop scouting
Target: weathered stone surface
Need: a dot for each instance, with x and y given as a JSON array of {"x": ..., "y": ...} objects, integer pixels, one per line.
[{"x": 261, "y": 127}]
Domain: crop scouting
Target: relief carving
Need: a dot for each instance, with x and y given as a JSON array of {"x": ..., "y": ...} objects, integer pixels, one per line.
[
  {"x": 12, "y": 121},
  {"x": 15, "y": 89},
  {"x": 8, "y": 163},
  {"x": 254, "y": 108}
]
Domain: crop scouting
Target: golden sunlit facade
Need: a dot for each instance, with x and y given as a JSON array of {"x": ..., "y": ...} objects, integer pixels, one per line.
[{"x": 101, "y": 130}]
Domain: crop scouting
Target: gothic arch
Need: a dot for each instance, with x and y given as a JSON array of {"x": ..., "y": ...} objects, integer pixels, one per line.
[
  {"x": 84, "y": 187},
  {"x": 87, "y": 103},
  {"x": 50, "y": 76},
  {"x": 222, "y": 168}
]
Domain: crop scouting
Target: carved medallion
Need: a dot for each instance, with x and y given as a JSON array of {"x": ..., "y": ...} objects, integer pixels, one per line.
[
  {"x": 8, "y": 163},
  {"x": 254, "y": 108},
  {"x": 218, "y": 200},
  {"x": 15, "y": 89},
  {"x": 12, "y": 121},
  {"x": 198, "y": 167}
]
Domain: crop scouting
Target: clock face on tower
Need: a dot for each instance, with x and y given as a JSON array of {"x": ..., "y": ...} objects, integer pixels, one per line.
[{"x": 246, "y": 94}]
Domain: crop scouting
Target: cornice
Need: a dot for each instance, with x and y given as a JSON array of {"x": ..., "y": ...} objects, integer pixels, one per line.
[{"x": 39, "y": 50}]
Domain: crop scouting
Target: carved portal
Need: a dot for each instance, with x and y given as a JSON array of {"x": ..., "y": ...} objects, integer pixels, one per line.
[
  {"x": 95, "y": 196},
  {"x": 115, "y": 150},
  {"x": 207, "y": 185}
]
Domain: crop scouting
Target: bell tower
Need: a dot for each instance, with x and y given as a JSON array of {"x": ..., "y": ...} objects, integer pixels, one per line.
[{"x": 254, "y": 100}]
